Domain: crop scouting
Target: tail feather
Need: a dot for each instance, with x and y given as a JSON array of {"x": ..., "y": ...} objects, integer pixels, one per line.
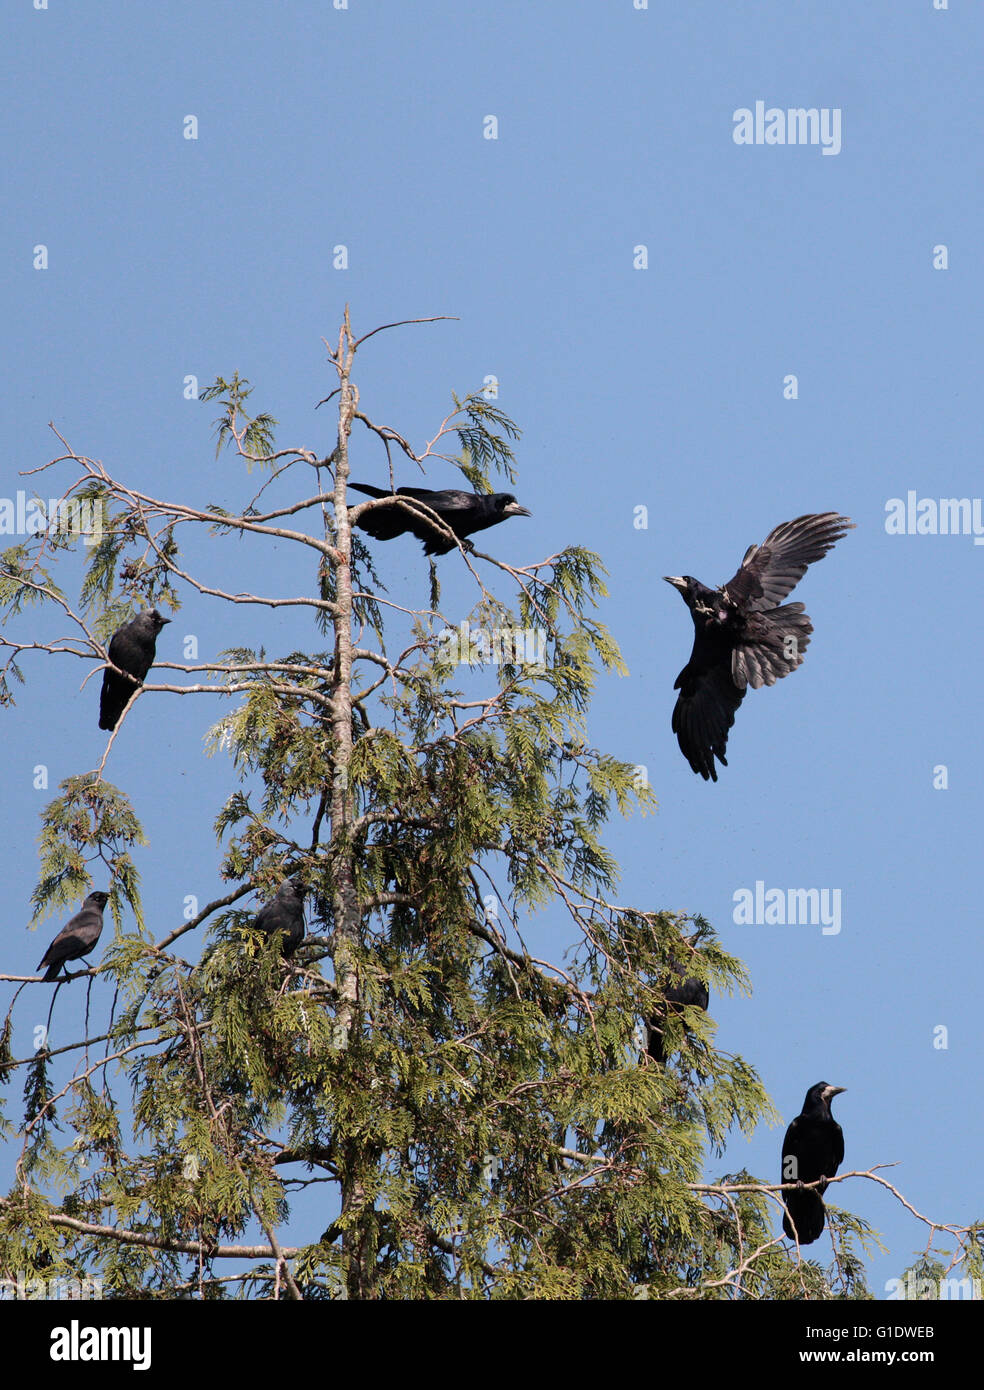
[
  {"x": 369, "y": 490},
  {"x": 805, "y": 1211}
]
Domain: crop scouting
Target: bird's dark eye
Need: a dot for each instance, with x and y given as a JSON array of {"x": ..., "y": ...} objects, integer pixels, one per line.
[{"x": 505, "y": 500}]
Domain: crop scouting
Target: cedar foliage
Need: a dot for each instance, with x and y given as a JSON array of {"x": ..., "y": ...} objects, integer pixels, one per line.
[{"x": 473, "y": 1122}]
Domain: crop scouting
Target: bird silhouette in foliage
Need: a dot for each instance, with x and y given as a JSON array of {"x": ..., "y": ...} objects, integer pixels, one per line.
[
  {"x": 284, "y": 914},
  {"x": 685, "y": 990}
]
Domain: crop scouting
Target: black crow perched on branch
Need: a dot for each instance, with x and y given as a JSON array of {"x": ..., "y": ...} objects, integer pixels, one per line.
[
  {"x": 463, "y": 512},
  {"x": 132, "y": 648},
  {"x": 688, "y": 991},
  {"x": 742, "y": 637},
  {"x": 77, "y": 938},
  {"x": 284, "y": 913},
  {"x": 813, "y": 1148}
]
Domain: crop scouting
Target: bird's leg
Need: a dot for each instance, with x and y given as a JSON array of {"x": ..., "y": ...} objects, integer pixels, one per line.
[{"x": 718, "y": 614}]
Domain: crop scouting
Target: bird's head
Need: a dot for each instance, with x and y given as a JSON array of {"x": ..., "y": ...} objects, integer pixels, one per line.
[
  {"x": 686, "y": 585},
  {"x": 506, "y": 503},
  {"x": 818, "y": 1097},
  {"x": 99, "y": 898},
  {"x": 156, "y": 620}
]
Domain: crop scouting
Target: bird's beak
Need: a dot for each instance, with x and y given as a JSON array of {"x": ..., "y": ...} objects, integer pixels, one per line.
[
  {"x": 514, "y": 509},
  {"x": 676, "y": 581},
  {"x": 832, "y": 1091},
  {"x": 165, "y": 620}
]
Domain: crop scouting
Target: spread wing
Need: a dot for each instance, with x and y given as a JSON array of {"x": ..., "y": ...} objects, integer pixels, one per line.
[{"x": 772, "y": 570}]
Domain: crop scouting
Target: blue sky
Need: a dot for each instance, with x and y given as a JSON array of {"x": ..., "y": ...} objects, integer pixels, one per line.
[{"x": 660, "y": 387}]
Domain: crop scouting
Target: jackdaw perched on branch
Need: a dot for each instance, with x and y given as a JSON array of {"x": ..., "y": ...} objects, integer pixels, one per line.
[
  {"x": 284, "y": 913},
  {"x": 132, "y": 648},
  {"x": 77, "y": 937},
  {"x": 742, "y": 637},
  {"x": 463, "y": 512}
]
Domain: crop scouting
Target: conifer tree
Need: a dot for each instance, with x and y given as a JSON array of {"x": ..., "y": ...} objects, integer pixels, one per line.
[{"x": 438, "y": 1111}]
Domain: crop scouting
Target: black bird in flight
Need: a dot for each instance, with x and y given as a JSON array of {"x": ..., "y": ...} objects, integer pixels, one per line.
[
  {"x": 132, "y": 648},
  {"x": 463, "y": 512},
  {"x": 742, "y": 637},
  {"x": 813, "y": 1148},
  {"x": 284, "y": 913},
  {"x": 77, "y": 938},
  {"x": 688, "y": 991}
]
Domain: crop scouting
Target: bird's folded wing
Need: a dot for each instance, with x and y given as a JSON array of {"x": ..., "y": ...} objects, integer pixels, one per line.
[
  {"x": 77, "y": 937},
  {"x": 772, "y": 570},
  {"x": 703, "y": 714},
  {"x": 450, "y": 500},
  {"x": 838, "y": 1150},
  {"x": 65, "y": 945}
]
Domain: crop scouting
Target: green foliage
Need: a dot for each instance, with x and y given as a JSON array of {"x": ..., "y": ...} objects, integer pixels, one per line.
[
  {"x": 476, "y": 1122},
  {"x": 92, "y": 823},
  {"x": 22, "y": 581},
  {"x": 482, "y": 450},
  {"x": 253, "y": 435},
  {"x": 938, "y": 1277}
]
